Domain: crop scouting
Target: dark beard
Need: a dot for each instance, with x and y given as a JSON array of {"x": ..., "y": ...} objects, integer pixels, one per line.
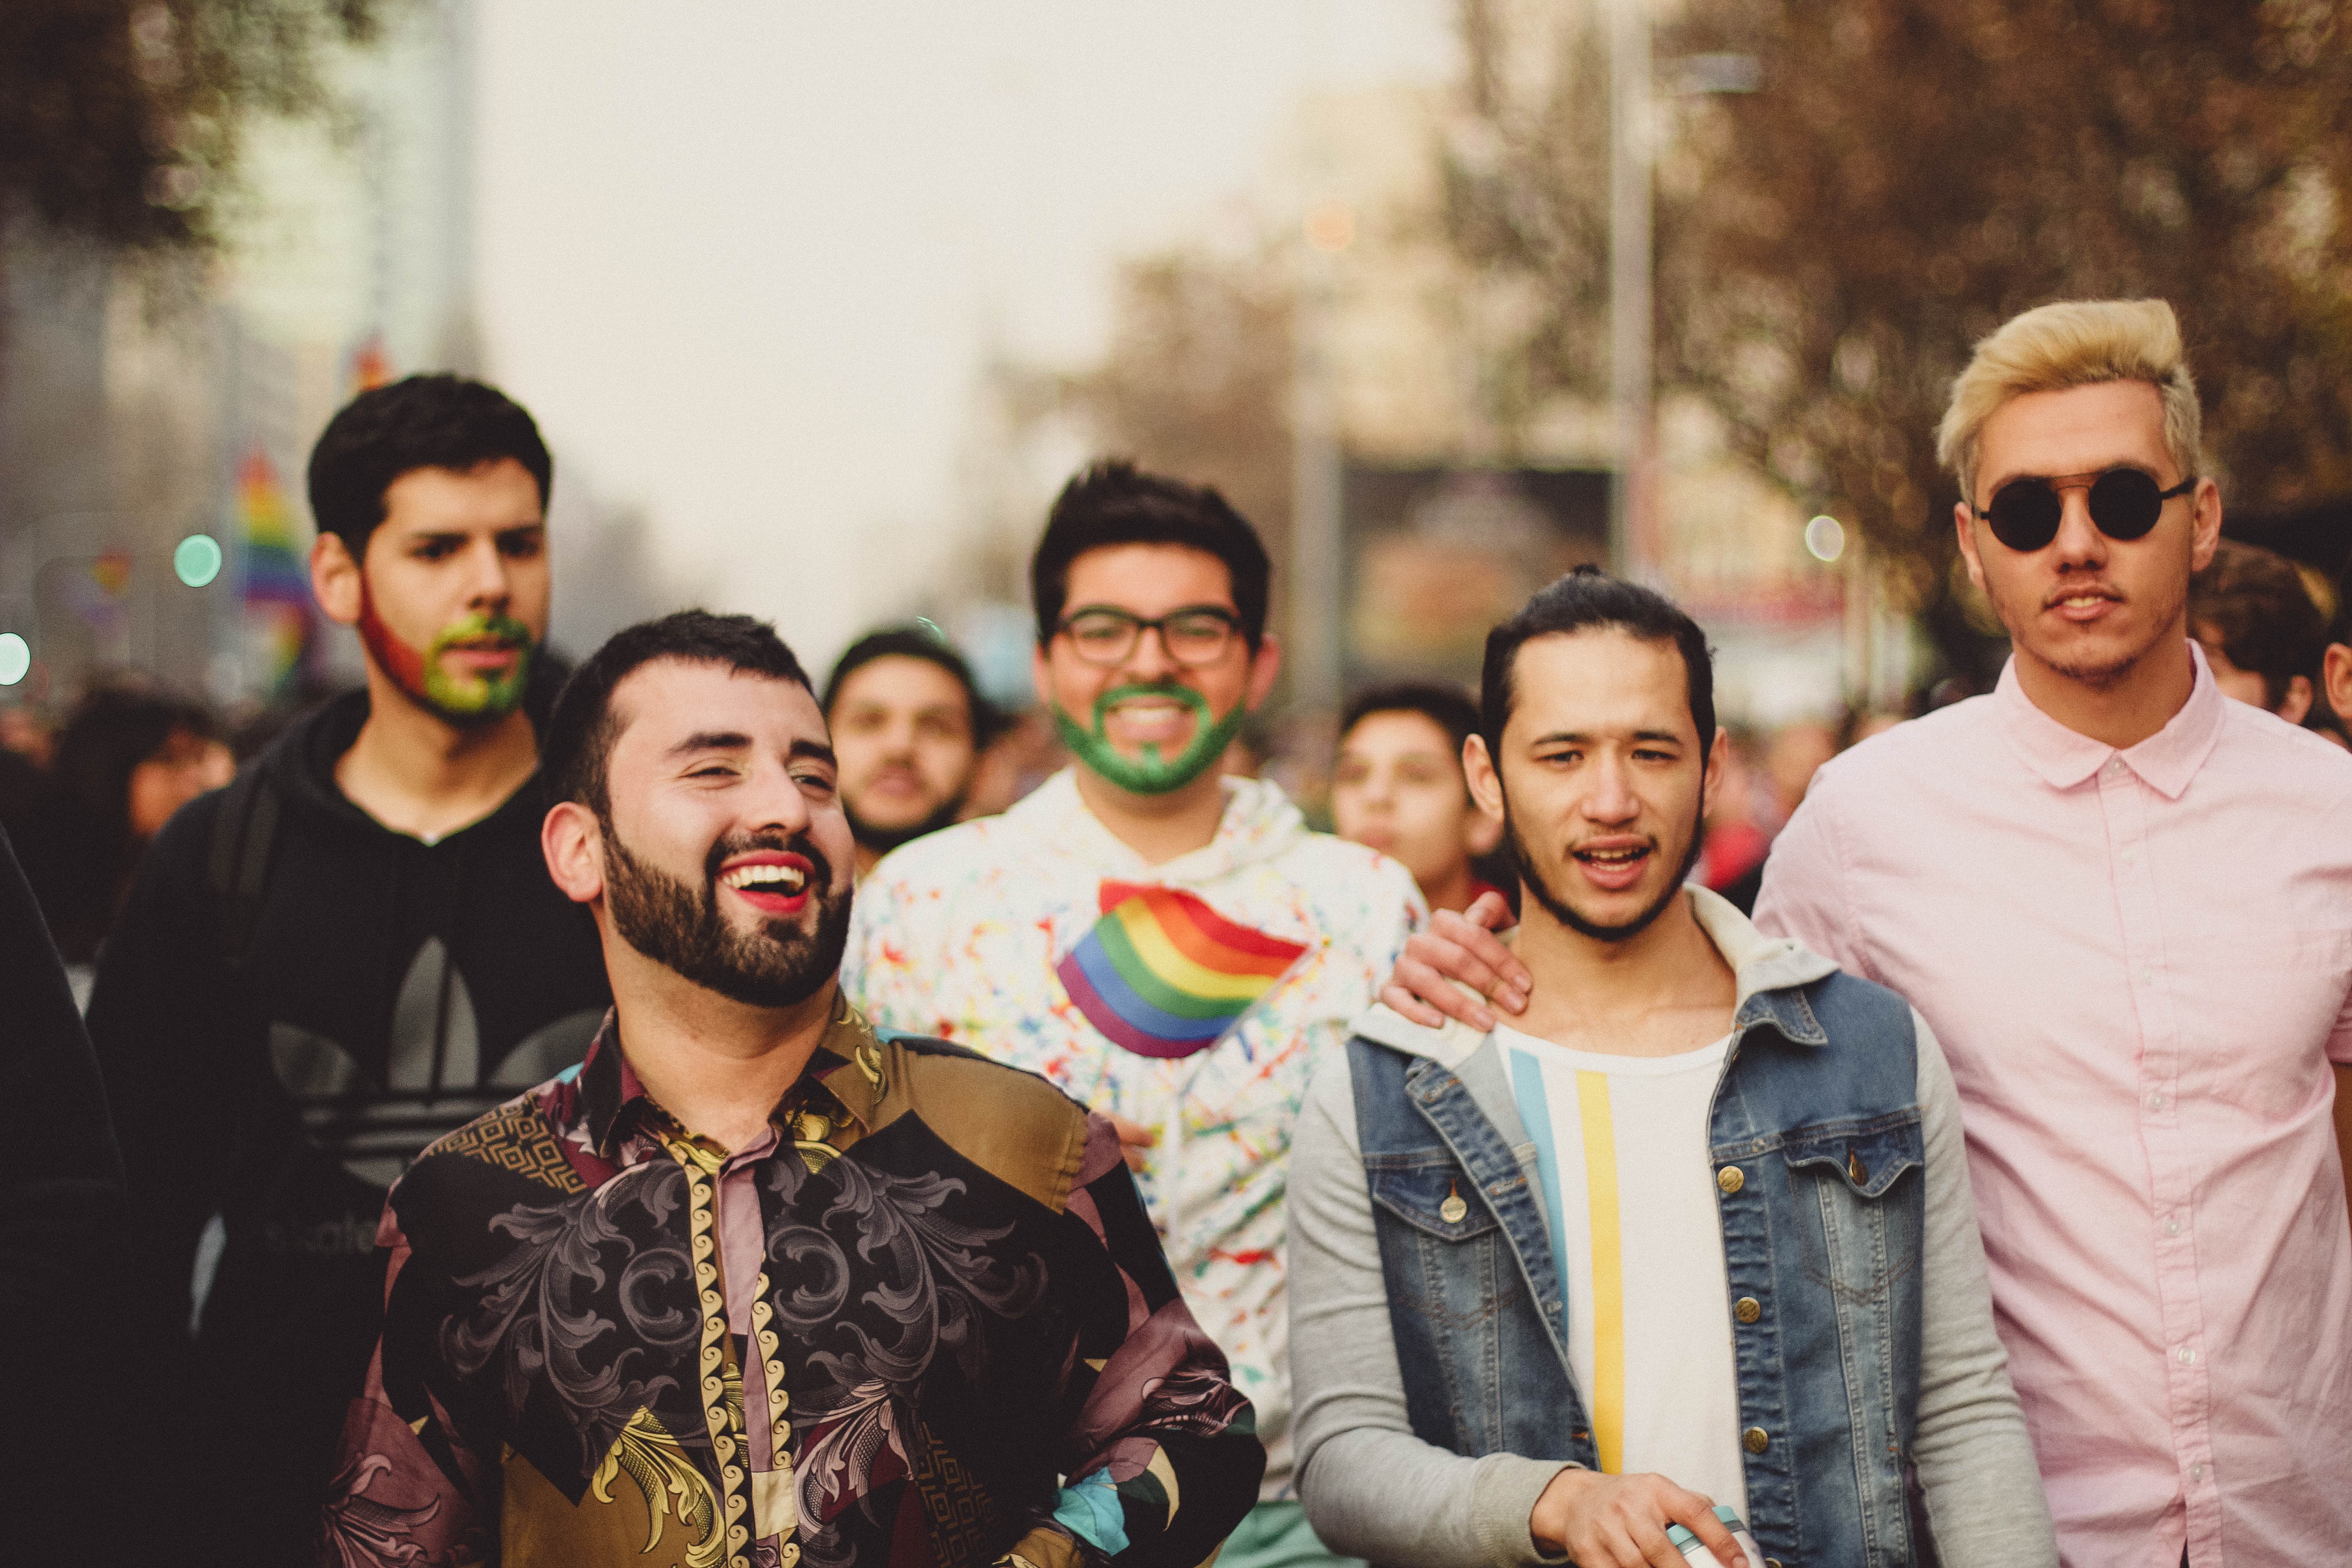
[
  {"x": 1535, "y": 880},
  {"x": 882, "y": 840},
  {"x": 781, "y": 965}
]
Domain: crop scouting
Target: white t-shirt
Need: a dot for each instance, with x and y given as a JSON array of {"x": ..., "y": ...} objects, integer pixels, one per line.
[{"x": 1621, "y": 1143}]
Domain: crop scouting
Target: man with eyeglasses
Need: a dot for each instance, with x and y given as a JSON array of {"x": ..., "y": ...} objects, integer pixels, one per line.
[
  {"x": 2124, "y": 903},
  {"x": 1167, "y": 945}
]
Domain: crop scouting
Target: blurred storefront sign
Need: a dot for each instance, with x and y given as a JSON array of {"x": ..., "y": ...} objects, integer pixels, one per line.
[{"x": 1435, "y": 556}]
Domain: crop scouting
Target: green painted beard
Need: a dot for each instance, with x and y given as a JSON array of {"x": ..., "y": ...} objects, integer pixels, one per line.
[
  {"x": 474, "y": 696},
  {"x": 1151, "y": 775}
]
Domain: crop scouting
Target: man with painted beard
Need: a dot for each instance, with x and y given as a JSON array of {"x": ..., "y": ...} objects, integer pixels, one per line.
[
  {"x": 757, "y": 1284},
  {"x": 1169, "y": 946},
  {"x": 347, "y": 952}
]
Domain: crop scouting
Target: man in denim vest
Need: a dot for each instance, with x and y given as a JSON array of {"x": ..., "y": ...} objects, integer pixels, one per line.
[{"x": 1695, "y": 1233}]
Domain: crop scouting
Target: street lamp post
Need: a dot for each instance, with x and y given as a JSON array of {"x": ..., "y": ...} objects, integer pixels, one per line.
[{"x": 1629, "y": 284}]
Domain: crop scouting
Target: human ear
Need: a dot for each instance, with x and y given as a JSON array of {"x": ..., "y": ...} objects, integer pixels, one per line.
[
  {"x": 2336, "y": 675},
  {"x": 1719, "y": 758},
  {"x": 1265, "y": 664},
  {"x": 574, "y": 844},
  {"x": 1485, "y": 783},
  {"x": 2205, "y": 525},
  {"x": 335, "y": 579},
  {"x": 1965, "y": 521}
]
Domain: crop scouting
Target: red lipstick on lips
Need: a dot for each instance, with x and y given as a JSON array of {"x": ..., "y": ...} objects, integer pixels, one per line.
[{"x": 765, "y": 881}]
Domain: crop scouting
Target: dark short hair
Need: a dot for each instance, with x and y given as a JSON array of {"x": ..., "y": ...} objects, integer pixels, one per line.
[
  {"x": 2260, "y": 614},
  {"x": 576, "y": 747},
  {"x": 439, "y": 421},
  {"x": 912, "y": 642},
  {"x": 1448, "y": 707},
  {"x": 1588, "y": 599},
  {"x": 1118, "y": 503}
]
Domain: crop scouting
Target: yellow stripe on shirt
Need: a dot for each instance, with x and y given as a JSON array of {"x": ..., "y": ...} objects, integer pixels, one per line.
[{"x": 1608, "y": 1271}]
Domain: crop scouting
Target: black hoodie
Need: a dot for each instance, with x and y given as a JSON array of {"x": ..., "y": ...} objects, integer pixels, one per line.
[{"x": 278, "y": 1064}]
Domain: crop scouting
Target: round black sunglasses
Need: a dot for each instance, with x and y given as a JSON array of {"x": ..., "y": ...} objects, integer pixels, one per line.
[{"x": 2125, "y": 504}]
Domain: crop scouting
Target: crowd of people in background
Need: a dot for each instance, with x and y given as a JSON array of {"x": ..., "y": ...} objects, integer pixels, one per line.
[{"x": 677, "y": 1111}]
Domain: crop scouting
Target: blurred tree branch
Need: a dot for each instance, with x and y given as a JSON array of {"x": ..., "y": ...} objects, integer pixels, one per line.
[
  {"x": 1914, "y": 171},
  {"x": 121, "y": 121}
]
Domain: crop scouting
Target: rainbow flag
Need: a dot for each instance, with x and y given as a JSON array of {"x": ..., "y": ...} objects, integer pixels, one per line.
[
  {"x": 1163, "y": 974},
  {"x": 277, "y": 610}
]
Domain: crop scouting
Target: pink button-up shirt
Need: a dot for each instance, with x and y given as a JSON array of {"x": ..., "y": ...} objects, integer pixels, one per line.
[{"x": 2138, "y": 963}]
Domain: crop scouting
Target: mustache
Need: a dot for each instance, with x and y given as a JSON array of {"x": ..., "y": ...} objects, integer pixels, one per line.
[{"x": 735, "y": 844}]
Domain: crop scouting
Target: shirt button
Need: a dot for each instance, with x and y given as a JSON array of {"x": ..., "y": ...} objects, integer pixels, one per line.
[
  {"x": 2114, "y": 764},
  {"x": 1748, "y": 1309},
  {"x": 1730, "y": 1179},
  {"x": 1754, "y": 1439},
  {"x": 2186, "y": 1356},
  {"x": 2196, "y": 1472},
  {"x": 2156, "y": 1100},
  {"x": 2172, "y": 1227}
]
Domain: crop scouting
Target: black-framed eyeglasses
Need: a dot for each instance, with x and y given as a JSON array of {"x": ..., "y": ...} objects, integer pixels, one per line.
[
  {"x": 1195, "y": 635},
  {"x": 2125, "y": 504}
]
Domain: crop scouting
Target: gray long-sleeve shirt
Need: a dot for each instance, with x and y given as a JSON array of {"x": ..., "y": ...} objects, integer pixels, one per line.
[{"x": 1373, "y": 1488}]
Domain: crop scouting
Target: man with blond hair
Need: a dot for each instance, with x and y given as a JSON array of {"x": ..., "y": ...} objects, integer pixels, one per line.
[{"x": 2128, "y": 918}]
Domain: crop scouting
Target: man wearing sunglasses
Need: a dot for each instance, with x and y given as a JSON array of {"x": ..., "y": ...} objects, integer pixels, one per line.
[
  {"x": 1169, "y": 946},
  {"x": 2124, "y": 903}
]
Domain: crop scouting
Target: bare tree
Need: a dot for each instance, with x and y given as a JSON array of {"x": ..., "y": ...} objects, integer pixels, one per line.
[
  {"x": 1913, "y": 172},
  {"x": 121, "y": 121}
]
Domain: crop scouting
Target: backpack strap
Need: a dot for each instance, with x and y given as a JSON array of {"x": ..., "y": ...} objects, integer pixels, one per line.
[{"x": 238, "y": 866}]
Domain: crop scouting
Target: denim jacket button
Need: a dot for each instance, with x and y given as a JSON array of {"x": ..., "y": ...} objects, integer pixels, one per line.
[
  {"x": 1754, "y": 1439},
  {"x": 1748, "y": 1309},
  {"x": 1730, "y": 1179}
]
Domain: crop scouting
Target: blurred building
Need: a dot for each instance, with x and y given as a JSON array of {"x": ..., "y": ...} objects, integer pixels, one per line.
[
  {"x": 143, "y": 404},
  {"x": 1423, "y": 480}
]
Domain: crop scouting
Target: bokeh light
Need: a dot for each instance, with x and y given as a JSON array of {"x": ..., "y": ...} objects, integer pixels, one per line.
[
  {"x": 1825, "y": 536},
  {"x": 15, "y": 659},
  {"x": 197, "y": 560}
]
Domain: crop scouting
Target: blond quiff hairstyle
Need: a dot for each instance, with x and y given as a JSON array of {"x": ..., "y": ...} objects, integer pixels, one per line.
[{"x": 2074, "y": 343}]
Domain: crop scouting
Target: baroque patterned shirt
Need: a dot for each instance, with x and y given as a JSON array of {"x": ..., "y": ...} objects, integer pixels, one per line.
[{"x": 922, "y": 1321}]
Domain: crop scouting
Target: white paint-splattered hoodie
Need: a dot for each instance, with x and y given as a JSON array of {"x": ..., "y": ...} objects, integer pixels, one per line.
[{"x": 959, "y": 935}]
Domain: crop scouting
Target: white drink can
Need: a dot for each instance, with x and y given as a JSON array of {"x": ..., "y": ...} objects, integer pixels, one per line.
[{"x": 1695, "y": 1551}]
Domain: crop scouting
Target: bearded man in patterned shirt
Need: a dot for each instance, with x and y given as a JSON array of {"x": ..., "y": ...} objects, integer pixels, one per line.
[{"x": 757, "y": 1283}]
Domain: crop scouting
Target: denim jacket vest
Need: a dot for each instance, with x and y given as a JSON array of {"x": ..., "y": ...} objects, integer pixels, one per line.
[{"x": 1816, "y": 1145}]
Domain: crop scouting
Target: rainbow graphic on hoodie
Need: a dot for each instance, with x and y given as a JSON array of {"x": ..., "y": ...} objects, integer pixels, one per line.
[{"x": 1163, "y": 974}]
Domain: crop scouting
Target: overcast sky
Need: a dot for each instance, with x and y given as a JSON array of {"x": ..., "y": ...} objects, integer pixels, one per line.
[{"x": 742, "y": 258}]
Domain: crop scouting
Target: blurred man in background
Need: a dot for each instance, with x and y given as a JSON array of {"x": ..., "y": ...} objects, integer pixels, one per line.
[
  {"x": 125, "y": 761},
  {"x": 908, "y": 725},
  {"x": 349, "y": 951},
  {"x": 1169, "y": 946},
  {"x": 2262, "y": 637},
  {"x": 1398, "y": 786}
]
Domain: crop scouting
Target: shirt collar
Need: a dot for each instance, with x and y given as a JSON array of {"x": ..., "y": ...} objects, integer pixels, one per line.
[
  {"x": 2063, "y": 758},
  {"x": 847, "y": 1063}
]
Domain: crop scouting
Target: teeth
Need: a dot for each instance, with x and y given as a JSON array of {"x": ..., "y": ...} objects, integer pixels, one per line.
[{"x": 784, "y": 878}]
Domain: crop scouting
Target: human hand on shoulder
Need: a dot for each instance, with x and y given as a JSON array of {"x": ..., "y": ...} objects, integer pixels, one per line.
[
  {"x": 1459, "y": 947},
  {"x": 1620, "y": 1522},
  {"x": 1134, "y": 1138}
]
